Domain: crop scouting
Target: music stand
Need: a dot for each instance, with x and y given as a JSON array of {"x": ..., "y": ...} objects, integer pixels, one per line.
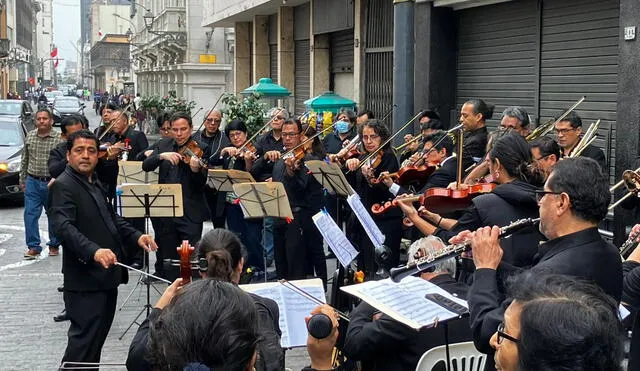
[
  {"x": 330, "y": 177},
  {"x": 131, "y": 172},
  {"x": 148, "y": 201},
  {"x": 260, "y": 200},
  {"x": 223, "y": 180}
]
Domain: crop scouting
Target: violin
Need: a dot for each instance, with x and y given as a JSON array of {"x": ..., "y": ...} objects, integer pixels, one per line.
[
  {"x": 103, "y": 150},
  {"x": 411, "y": 174},
  {"x": 440, "y": 200},
  {"x": 192, "y": 149},
  {"x": 185, "y": 250}
]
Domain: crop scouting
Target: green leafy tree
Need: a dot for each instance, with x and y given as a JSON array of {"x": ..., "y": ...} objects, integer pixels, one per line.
[{"x": 248, "y": 109}]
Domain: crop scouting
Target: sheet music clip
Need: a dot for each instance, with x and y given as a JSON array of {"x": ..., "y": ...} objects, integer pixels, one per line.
[
  {"x": 223, "y": 180},
  {"x": 330, "y": 177}
]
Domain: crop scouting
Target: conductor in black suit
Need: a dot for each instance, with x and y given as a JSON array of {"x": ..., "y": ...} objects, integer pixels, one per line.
[{"x": 95, "y": 238}]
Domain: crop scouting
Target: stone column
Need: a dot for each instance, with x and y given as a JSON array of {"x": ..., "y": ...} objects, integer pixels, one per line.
[
  {"x": 260, "y": 47},
  {"x": 402, "y": 66},
  {"x": 242, "y": 71},
  {"x": 286, "y": 60}
]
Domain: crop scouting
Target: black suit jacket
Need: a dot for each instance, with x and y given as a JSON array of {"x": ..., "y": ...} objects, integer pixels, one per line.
[
  {"x": 195, "y": 207},
  {"x": 137, "y": 140},
  {"x": 390, "y": 345},
  {"x": 57, "y": 160},
  {"x": 631, "y": 296},
  {"x": 583, "y": 254},
  {"x": 596, "y": 153},
  {"x": 84, "y": 222}
]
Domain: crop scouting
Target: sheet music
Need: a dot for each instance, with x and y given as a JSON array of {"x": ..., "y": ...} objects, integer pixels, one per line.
[
  {"x": 337, "y": 241},
  {"x": 330, "y": 176},
  {"x": 374, "y": 233},
  {"x": 405, "y": 301},
  {"x": 293, "y": 306}
]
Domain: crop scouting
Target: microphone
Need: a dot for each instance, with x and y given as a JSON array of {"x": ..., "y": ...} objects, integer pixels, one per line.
[{"x": 320, "y": 326}]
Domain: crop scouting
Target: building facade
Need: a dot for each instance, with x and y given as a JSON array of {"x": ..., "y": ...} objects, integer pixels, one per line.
[
  {"x": 110, "y": 63},
  {"x": 44, "y": 43},
  {"x": 173, "y": 52},
  {"x": 540, "y": 54}
]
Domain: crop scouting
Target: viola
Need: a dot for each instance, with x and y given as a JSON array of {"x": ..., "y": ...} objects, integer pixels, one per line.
[
  {"x": 185, "y": 250},
  {"x": 440, "y": 200},
  {"x": 192, "y": 149}
]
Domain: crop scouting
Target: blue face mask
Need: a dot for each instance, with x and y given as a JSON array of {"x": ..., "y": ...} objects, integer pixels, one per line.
[{"x": 342, "y": 127}]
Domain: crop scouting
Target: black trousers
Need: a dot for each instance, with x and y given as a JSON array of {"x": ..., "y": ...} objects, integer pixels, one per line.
[
  {"x": 173, "y": 232},
  {"x": 217, "y": 211},
  {"x": 91, "y": 314},
  {"x": 298, "y": 248}
]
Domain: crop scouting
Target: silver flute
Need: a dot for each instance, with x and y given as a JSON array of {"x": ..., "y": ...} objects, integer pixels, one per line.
[{"x": 451, "y": 251}]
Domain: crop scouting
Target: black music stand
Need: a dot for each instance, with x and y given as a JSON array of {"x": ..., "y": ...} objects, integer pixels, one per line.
[
  {"x": 331, "y": 177},
  {"x": 260, "y": 200},
  {"x": 148, "y": 201}
]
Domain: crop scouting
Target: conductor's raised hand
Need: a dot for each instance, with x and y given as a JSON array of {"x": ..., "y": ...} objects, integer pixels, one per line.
[
  {"x": 173, "y": 157},
  {"x": 147, "y": 243},
  {"x": 105, "y": 257},
  {"x": 486, "y": 249}
]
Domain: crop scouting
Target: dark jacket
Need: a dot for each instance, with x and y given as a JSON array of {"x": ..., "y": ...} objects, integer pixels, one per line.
[
  {"x": 333, "y": 143},
  {"x": 263, "y": 169},
  {"x": 507, "y": 203},
  {"x": 631, "y": 296},
  {"x": 271, "y": 355},
  {"x": 475, "y": 145},
  {"x": 57, "y": 160},
  {"x": 85, "y": 223},
  {"x": 214, "y": 144},
  {"x": 582, "y": 254},
  {"x": 195, "y": 207},
  {"x": 137, "y": 140},
  {"x": 596, "y": 153},
  {"x": 390, "y": 345},
  {"x": 303, "y": 190}
]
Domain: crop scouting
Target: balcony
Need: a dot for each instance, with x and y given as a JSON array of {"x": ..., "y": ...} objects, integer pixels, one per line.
[{"x": 5, "y": 47}]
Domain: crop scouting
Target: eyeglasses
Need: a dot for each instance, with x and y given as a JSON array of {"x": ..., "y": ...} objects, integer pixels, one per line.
[
  {"x": 540, "y": 194},
  {"x": 213, "y": 120},
  {"x": 165, "y": 129},
  {"x": 236, "y": 134},
  {"x": 368, "y": 138},
  {"x": 290, "y": 134},
  {"x": 278, "y": 118},
  {"x": 503, "y": 335},
  {"x": 563, "y": 131}
]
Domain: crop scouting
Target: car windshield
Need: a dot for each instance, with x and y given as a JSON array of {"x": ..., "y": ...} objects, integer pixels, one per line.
[
  {"x": 10, "y": 108},
  {"x": 10, "y": 135},
  {"x": 66, "y": 103}
]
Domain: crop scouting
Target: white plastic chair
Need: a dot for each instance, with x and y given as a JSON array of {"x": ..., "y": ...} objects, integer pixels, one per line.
[{"x": 463, "y": 356}]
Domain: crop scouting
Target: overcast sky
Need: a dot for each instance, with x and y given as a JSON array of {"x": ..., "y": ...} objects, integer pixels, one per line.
[{"x": 66, "y": 28}]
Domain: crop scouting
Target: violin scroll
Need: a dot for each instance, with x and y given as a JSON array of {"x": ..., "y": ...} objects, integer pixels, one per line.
[{"x": 184, "y": 251}]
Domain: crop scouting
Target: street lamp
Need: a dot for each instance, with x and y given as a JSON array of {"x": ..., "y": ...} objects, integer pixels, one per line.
[{"x": 148, "y": 20}]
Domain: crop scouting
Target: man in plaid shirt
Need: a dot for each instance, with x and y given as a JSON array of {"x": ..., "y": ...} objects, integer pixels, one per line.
[{"x": 34, "y": 180}]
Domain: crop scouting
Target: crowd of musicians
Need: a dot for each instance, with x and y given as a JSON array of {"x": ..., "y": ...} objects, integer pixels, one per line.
[{"x": 545, "y": 298}]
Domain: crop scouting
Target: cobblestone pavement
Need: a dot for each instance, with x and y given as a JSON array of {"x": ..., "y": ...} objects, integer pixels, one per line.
[{"x": 29, "y": 338}]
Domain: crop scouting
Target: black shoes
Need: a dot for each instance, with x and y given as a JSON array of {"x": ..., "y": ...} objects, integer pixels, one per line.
[{"x": 61, "y": 317}]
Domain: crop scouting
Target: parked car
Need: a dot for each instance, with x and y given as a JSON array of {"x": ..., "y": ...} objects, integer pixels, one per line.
[
  {"x": 65, "y": 106},
  {"x": 19, "y": 110},
  {"x": 12, "y": 137}
]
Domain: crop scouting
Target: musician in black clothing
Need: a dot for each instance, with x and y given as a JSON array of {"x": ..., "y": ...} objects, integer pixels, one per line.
[
  {"x": 363, "y": 181},
  {"x": 174, "y": 169},
  {"x": 383, "y": 343},
  {"x": 514, "y": 198},
  {"x": 546, "y": 153},
  {"x": 58, "y": 156},
  {"x": 631, "y": 297},
  {"x": 345, "y": 129},
  {"x": 94, "y": 239},
  {"x": 269, "y": 146},
  {"x": 473, "y": 117},
  {"x": 569, "y": 131},
  {"x": 249, "y": 231},
  {"x": 215, "y": 141},
  {"x": 298, "y": 240},
  {"x": 573, "y": 201}
]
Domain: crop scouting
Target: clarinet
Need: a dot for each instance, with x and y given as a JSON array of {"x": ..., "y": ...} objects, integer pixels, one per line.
[
  {"x": 452, "y": 251},
  {"x": 628, "y": 245}
]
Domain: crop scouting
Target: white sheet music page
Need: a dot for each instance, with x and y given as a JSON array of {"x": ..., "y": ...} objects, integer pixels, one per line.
[
  {"x": 293, "y": 307},
  {"x": 405, "y": 301},
  {"x": 337, "y": 241},
  {"x": 374, "y": 233}
]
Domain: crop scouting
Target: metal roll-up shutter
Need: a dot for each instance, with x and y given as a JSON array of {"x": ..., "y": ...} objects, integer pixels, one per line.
[
  {"x": 378, "y": 63},
  {"x": 579, "y": 56},
  {"x": 341, "y": 49},
  {"x": 497, "y": 56},
  {"x": 302, "y": 74},
  {"x": 273, "y": 60}
]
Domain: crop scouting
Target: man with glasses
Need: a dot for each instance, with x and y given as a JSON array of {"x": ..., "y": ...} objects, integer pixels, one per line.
[
  {"x": 569, "y": 131},
  {"x": 215, "y": 140},
  {"x": 556, "y": 322},
  {"x": 573, "y": 201}
]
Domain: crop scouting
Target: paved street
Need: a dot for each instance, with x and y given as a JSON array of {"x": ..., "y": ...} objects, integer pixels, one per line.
[{"x": 29, "y": 338}]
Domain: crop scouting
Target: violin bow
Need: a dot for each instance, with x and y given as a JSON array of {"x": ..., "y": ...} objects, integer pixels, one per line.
[
  {"x": 309, "y": 139},
  {"x": 389, "y": 112},
  {"x": 114, "y": 121},
  {"x": 211, "y": 110},
  {"x": 374, "y": 153},
  {"x": 261, "y": 129}
]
